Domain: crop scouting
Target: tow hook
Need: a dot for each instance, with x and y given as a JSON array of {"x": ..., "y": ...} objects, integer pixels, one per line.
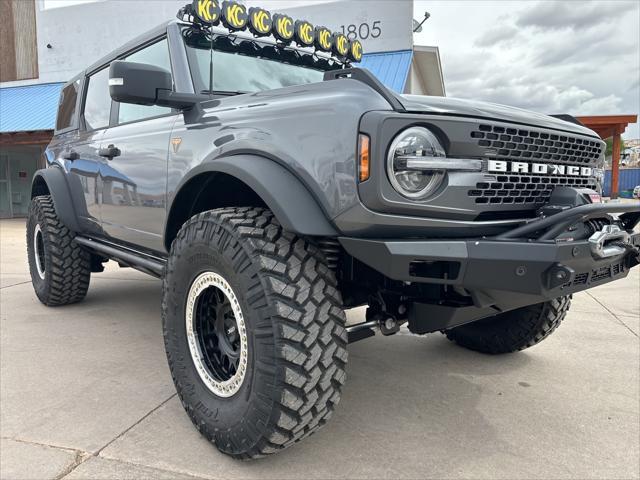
[{"x": 611, "y": 241}]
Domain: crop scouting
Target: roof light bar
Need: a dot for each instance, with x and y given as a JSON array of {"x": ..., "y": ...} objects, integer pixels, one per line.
[{"x": 261, "y": 23}]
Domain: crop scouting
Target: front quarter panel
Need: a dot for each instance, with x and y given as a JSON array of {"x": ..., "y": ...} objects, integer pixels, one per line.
[{"x": 311, "y": 130}]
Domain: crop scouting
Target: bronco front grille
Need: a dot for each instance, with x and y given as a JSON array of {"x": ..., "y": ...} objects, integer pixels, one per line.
[
  {"x": 524, "y": 189},
  {"x": 536, "y": 145}
]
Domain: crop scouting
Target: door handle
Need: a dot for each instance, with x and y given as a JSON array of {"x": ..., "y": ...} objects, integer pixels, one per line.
[
  {"x": 71, "y": 155},
  {"x": 110, "y": 152}
]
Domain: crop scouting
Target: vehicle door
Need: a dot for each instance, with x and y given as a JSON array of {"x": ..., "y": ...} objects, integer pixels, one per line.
[
  {"x": 134, "y": 172},
  {"x": 81, "y": 153}
]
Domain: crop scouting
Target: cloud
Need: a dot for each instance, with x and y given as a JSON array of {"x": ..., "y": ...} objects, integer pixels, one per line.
[
  {"x": 578, "y": 58},
  {"x": 572, "y": 15},
  {"x": 495, "y": 36},
  {"x": 590, "y": 47},
  {"x": 538, "y": 95}
]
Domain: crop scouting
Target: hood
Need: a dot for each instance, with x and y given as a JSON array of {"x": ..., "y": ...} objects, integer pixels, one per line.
[{"x": 492, "y": 111}]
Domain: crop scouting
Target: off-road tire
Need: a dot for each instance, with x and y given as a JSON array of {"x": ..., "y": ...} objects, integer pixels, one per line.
[
  {"x": 67, "y": 267},
  {"x": 514, "y": 330},
  {"x": 294, "y": 323}
]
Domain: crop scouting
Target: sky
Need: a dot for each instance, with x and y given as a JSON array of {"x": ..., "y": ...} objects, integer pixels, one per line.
[{"x": 566, "y": 56}]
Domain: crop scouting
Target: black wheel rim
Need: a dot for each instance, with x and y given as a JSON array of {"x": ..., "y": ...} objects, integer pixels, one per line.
[{"x": 217, "y": 333}]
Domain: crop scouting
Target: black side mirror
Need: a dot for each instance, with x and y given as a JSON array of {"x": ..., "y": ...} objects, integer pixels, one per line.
[
  {"x": 138, "y": 83},
  {"x": 143, "y": 84}
]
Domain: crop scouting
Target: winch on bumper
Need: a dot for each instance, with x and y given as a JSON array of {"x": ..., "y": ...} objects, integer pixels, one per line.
[{"x": 526, "y": 265}]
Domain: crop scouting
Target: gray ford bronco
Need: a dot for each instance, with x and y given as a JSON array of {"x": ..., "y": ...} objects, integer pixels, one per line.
[{"x": 238, "y": 156}]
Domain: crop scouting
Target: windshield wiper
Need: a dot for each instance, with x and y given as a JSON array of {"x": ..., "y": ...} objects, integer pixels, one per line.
[{"x": 222, "y": 92}]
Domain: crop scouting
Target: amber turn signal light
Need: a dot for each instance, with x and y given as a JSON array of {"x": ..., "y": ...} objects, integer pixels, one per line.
[{"x": 363, "y": 157}]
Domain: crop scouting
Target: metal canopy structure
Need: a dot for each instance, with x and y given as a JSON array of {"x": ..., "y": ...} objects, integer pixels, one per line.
[
  {"x": 416, "y": 71},
  {"x": 608, "y": 126},
  {"x": 28, "y": 113},
  {"x": 391, "y": 68}
]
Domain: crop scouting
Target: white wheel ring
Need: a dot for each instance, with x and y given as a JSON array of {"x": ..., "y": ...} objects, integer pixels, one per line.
[
  {"x": 231, "y": 386},
  {"x": 37, "y": 233}
]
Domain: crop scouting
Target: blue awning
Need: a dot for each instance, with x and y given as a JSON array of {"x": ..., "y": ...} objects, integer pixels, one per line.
[
  {"x": 391, "y": 68},
  {"x": 29, "y": 108}
]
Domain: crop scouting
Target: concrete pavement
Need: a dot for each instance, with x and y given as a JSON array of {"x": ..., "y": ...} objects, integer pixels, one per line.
[{"x": 85, "y": 392}]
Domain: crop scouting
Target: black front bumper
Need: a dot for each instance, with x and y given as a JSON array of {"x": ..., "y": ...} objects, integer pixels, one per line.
[
  {"x": 530, "y": 264},
  {"x": 543, "y": 269}
]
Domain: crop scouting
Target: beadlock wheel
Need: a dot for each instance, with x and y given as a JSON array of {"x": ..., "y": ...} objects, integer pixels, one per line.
[
  {"x": 254, "y": 331},
  {"x": 38, "y": 248},
  {"x": 217, "y": 334}
]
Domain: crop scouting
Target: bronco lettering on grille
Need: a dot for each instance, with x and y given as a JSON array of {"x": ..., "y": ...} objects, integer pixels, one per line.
[{"x": 539, "y": 168}]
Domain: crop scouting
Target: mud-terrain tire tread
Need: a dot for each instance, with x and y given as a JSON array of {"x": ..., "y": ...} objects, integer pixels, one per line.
[
  {"x": 68, "y": 266},
  {"x": 305, "y": 319},
  {"x": 512, "y": 331}
]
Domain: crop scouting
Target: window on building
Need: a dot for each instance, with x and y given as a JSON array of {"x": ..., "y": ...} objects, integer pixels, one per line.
[
  {"x": 67, "y": 107},
  {"x": 97, "y": 104},
  {"x": 157, "y": 55}
]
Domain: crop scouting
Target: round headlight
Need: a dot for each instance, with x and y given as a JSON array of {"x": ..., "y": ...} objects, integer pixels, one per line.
[{"x": 412, "y": 143}]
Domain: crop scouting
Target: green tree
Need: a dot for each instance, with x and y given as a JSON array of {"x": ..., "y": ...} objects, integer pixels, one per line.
[{"x": 609, "y": 142}]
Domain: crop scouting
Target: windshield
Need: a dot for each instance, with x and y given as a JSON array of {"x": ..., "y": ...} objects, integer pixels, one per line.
[{"x": 248, "y": 66}]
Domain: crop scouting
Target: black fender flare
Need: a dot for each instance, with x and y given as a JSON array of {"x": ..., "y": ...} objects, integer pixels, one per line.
[
  {"x": 56, "y": 181},
  {"x": 289, "y": 200}
]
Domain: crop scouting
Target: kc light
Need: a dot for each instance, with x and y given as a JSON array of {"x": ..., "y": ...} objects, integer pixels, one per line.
[
  {"x": 355, "y": 51},
  {"x": 259, "y": 22},
  {"x": 234, "y": 15},
  {"x": 340, "y": 45},
  {"x": 208, "y": 11},
  {"x": 282, "y": 27},
  {"x": 414, "y": 143},
  {"x": 323, "y": 39},
  {"x": 303, "y": 33}
]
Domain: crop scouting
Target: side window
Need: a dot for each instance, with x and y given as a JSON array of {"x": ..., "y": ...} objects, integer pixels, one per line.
[
  {"x": 158, "y": 55},
  {"x": 97, "y": 103},
  {"x": 67, "y": 107}
]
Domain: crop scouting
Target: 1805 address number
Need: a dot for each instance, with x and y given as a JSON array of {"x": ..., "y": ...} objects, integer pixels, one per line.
[{"x": 362, "y": 31}]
